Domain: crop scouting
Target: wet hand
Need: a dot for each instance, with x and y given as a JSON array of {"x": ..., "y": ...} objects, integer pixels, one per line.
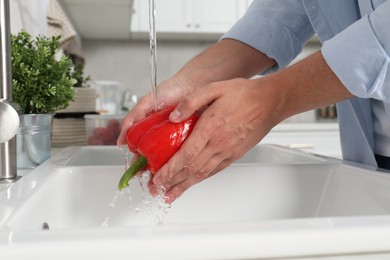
[
  {"x": 237, "y": 115},
  {"x": 169, "y": 92}
]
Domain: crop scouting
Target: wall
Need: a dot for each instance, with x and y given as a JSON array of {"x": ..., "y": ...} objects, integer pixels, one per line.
[{"x": 127, "y": 61}]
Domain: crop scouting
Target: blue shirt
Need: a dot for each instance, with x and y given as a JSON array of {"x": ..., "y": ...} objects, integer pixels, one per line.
[{"x": 356, "y": 45}]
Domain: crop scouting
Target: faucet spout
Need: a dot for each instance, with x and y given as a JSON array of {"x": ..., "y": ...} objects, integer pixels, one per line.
[{"x": 9, "y": 118}]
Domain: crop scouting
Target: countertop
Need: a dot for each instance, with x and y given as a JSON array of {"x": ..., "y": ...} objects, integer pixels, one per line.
[
  {"x": 283, "y": 128},
  {"x": 303, "y": 127}
]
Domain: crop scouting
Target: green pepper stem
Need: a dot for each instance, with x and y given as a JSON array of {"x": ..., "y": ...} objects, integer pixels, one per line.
[{"x": 137, "y": 165}]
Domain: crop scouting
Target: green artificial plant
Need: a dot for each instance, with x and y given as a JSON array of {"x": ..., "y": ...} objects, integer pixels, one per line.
[
  {"x": 78, "y": 74},
  {"x": 41, "y": 83}
]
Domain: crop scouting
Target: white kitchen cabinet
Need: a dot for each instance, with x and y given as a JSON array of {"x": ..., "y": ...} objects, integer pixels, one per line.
[
  {"x": 100, "y": 19},
  {"x": 188, "y": 16},
  {"x": 121, "y": 19},
  {"x": 217, "y": 16},
  {"x": 94, "y": 2},
  {"x": 171, "y": 15}
]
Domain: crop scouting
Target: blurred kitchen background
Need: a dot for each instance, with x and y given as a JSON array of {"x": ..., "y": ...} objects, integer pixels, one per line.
[
  {"x": 184, "y": 28},
  {"x": 112, "y": 37}
]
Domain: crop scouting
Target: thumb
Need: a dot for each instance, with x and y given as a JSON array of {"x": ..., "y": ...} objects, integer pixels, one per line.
[{"x": 193, "y": 102}]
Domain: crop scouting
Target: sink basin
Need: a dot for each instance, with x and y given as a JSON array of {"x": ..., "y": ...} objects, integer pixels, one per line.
[
  {"x": 61, "y": 210},
  {"x": 78, "y": 198},
  {"x": 112, "y": 155},
  {"x": 93, "y": 155}
]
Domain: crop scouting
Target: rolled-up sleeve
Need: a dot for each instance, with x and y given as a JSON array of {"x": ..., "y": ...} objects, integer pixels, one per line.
[
  {"x": 278, "y": 28},
  {"x": 359, "y": 55}
]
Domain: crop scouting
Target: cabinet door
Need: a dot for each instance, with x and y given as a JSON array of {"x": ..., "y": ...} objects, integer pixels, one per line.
[
  {"x": 217, "y": 16},
  {"x": 171, "y": 15},
  {"x": 189, "y": 16}
]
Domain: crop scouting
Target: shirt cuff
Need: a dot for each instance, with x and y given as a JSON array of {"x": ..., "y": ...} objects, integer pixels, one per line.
[{"x": 359, "y": 61}]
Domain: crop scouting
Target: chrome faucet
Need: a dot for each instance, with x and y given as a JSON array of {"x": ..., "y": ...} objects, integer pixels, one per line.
[{"x": 9, "y": 117}]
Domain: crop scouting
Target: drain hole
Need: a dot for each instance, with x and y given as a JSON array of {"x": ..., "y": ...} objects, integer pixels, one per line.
[{"x": 45, "y": 226}]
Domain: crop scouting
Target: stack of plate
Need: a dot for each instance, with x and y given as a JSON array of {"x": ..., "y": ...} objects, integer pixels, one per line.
[
  {"x": 69, "y": 123},
  {"x": 68, "y": 131},
  {"x": 85, "y": 101}
]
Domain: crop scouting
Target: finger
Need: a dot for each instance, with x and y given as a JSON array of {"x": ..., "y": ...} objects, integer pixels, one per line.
[
  {"x": 177, "y": 190},
  {"x": 194, "y": 102},
  {"x": 154, "y": 191},
  {"x": 139, "y": 112},
  {"x": 202, "y": 166},
  {"x": 194, "y": 153},
  {"x": 127, "y": 122},
  {"x": 194, "y": 144},
  {"x": 185, "y": 156}
]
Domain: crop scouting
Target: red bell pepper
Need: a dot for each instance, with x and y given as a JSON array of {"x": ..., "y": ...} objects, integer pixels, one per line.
[
  {"x": 135, "y": 133},
  {"x": 154, "y": 141}
]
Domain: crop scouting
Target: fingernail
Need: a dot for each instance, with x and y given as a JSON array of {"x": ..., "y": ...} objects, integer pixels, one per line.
[
  {"x": 175, "y": 115},
  {"x": 157, "y": 180},
  {"x": 153, "y": 190},
  {"x": 128, "y": 124},
  {"x": 170, "y": 198}
]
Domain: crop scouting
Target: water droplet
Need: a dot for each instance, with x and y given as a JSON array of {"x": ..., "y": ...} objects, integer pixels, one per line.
[{"x": 105, "y": 223}]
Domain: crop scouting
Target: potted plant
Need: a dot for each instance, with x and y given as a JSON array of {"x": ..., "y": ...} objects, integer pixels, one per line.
[{"x": 41, "y": 84}]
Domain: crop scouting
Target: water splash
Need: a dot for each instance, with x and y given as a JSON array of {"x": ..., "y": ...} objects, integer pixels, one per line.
[
  {"x": 155, "y": 206},
  {"x": 105, "y": 222},
  {"x": 112, "y": 204},
  {"x": 128, "y": 155},
  {"x": 118, "y": 194}
]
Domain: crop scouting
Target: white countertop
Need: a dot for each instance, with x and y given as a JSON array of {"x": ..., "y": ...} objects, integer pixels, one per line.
[
  {"x": 294, "y": 206},
  {"x": 280, "y": 128},
  {"x": 293, "y": 127}
]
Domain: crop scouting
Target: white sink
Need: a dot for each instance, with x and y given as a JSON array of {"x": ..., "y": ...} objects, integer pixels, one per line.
[
  {"x": 77, "y": 198},
  {"x": 112, "y": 155},
  {"x": 250, "y": 210}
]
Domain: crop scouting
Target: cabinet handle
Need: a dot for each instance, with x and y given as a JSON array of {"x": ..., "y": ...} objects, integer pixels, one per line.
[
  {"x": 197, "y": 25},
  {"x": 188, "y": 25}
]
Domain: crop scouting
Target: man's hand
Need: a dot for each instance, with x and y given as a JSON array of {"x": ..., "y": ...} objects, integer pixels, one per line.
[
  {"x": 236, "y": 115},
  {"x": 224, "y": 60},
  {"x": 169, "y": 92}
]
